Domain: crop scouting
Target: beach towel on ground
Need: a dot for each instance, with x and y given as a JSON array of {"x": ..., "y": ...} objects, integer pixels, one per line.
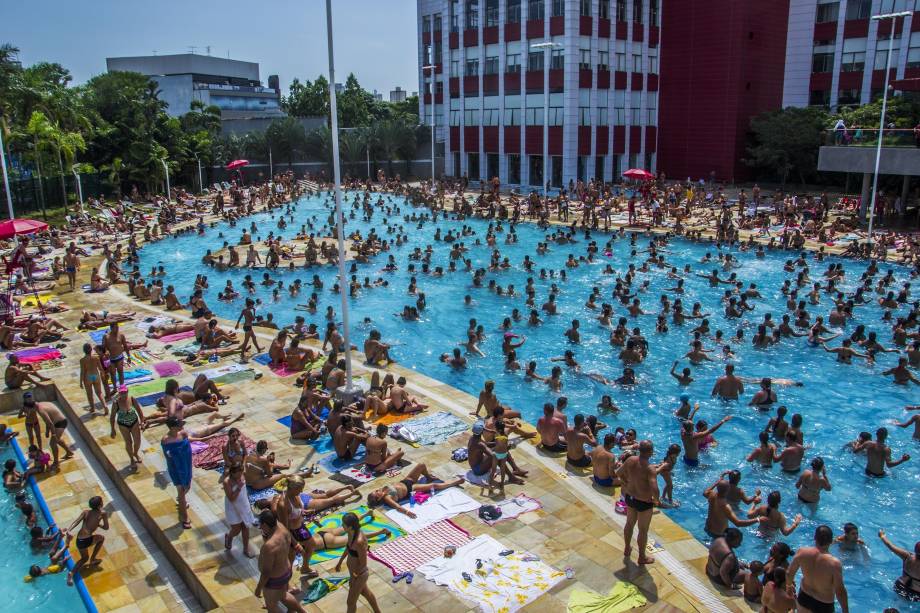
[
  {"x": 138, "y": 373},
  {"x": 234, "y": 377},
  {"x": 515, "y": 507},
  {"x": 332, "y": 464},
  {"x": 413, "y": 550},
  {"x": 151, "y": 399},
  {"x": 178, "y": 336},
  {"x": 255, "y": 495},
  {"x": 213, "y": 373},
  {"x": 391, "y": 418},
  {"x": 168, "y": 368},
  {"x": 359, "y": 475},
  {"x": 211, "y": 456},
  {"x": 96, "y": 336},
  {"x": 435, "y": 428},
  {"x": 150, "y": 322},
  {"x": 151, "y": 387},
  {"x": 323, "y": 586},
  {"x": 443, "y": 505},
  {"x": 33, "y": 355},
  {"x": 502, "y": 584},
  {"x": 141, "y": 356},
  {"x": 371, "y": 524},
  {"x": 623, "y": 596},
  {"x": 262, "y": 358}
]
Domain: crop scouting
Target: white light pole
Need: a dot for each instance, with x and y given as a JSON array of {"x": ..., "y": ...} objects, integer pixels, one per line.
[
  {"x": 271, "y": 166},
  {"x": 200, "y": 178},
  {"x": 431, "y": 67},
  {"x": 544, "y": 47},
  {"x": 76, "y": 175},
  {"x": 166, "y": 168},
  {"x": 6, "y": 179},
  {"x": 344, "y": 292},
  {"x": 881, "y": 128}
]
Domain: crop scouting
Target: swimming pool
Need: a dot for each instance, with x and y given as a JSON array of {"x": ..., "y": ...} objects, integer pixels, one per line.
[
  {"x": 49, "y": 593},
  {"x": 837, "y": 401}
]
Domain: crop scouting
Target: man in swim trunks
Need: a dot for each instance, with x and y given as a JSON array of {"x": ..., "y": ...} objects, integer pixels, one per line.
[
  {"x": 116, "y": 345},
  {"x": 878, "y": 454},
  {"x": 720, "y": 510},
  {"x": 551, "y": 430},
  {"x": 640, "y": 488},
  {"x": 822, "y": 576},
  {"x": 89, "y": 521},
  {"x": 274, "y": 565},
  {"x": 576, "y": 437},
  {"x": 604, "y": 463},
  {"x": 728, "y": 386},
  {"x": 692, "y": 439},
  {"x": 18, "y": 373},
  {"x": 478, "y": 454},
  {"x": 401, "y": 401},
  {"x": 378, "y": 460},
  {"x": 55, "y": 425}
]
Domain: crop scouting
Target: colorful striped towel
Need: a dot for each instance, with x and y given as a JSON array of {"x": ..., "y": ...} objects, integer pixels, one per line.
[
  {"x": 179, "y": 336},
  {"x": 168, "y": 369},
  {"x": 412, "y": 550},
  {"x": 372, "y": 524}
]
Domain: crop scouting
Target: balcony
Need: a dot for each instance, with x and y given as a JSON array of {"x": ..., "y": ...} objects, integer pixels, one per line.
[{"x": 863, "y": 137}]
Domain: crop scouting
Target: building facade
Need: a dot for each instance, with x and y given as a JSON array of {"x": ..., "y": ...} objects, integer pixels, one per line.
[
  {"x": 232, "y": 86},
  {"x": 487, "y": 86}
]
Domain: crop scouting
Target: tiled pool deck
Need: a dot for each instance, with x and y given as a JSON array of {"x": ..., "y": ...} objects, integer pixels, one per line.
[{"x": 576, "y": 528}]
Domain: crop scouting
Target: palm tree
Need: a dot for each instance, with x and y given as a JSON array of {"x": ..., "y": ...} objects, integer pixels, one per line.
[
  {"x": 318, "y": 146},
  {"x": 66, "y": 145}
]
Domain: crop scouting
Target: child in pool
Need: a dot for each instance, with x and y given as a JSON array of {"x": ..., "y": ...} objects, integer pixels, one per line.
[
  {"x": 664, "y": 470},
  {"x": 753, "y": 588}
]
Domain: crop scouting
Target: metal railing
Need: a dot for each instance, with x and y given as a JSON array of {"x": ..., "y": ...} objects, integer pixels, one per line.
[{"x": 868, "y": 137}]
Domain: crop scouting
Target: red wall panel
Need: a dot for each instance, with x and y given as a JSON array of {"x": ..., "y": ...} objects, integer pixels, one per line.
[
  {"x": 654, "y": 33},
  {"x": 512, "y": 82},
  {"x": 619, "y": 139},
  {"x": 825, "y": 31},
  {"x": 453, "y": 86},
  {"x": 490, "y": 84},
  {"x": 454, "y": 138},
  {"x": 603, "y": 136},
  {"x": 603, "y": 28},
  {"x": 850, "y": 80},
  {"x": 856, "y": 28},
  {"x": 490, "y": 35},
  {"x": 556, "y": 80},
  {"x": 622, "y": 30},
  {"x": 556, "y": 26},
  {"x": 584, "y": 79},
  {"x": 820, "y": 80},
  {"x": 470, "y": 37},
  {"x": 603, "y": 79},
  {"x": 635, "y": 139},
  {"x": 619, "y": 80},
  {"x": 512, "y": 139},
  {"x": 471, "y": 139},
  {"x": 584, "y": 140},
  {"x": 652, "y": 82},
  {"x": 585, "y": 25},
  {"x": 638, "y": 33},
  {"x": 471, "y": 86},
  {"x": 555, "y": 140},
  {"x": 535, "y": 28},
  {"x": 635, "y": 82},
  {"x": 490, "y": 139},
  {"x": 426, "y": 38},
  {"x": 533, "y": 140},
  {"x": 533, "y": 81},
  {"x": 651, "y": 133},
  {"x": 513, "y": 31},
  {"x": 453, "y": 40}
]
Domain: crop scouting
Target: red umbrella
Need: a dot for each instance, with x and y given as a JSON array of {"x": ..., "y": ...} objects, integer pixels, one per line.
[
  {"x": 15, "y": 227},
  {"x": 237, "y": 164},
  {"x": 639, "y": 174}
]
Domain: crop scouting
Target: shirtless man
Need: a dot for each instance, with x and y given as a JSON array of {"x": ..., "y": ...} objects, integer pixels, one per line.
[
  {"x": 728, "y": 386},
  {"x": 822, "y": 576},
  {"x": 913, "y": 419},
  {"x": 71, "y": 266},
  {"x": 375, "y": 350},
  {"x": 89, "y": 521},
  {"x": 116, "y": 345},
  {"x": 878, "y": 454},
  {"x": 378, "y": 459},
  {"x": 401, "y": 401},
  {"x": 489, "y": 400},
  {"x": 274, "y": 565},
  {"x": 55, "y": 425},
  {"x": 346, "y": 439},
  {"x": 551, "y": 430},
  {"x": 576, "y": 437},
  {"x": 640, "y": 488},
  {"x": 18, "y": 373},
  {"x": 691, "y": 439},
  {"x": 902, "y": 375},
  {"x": 604, "y": 463},
  {"x": 720, "y": 510}
]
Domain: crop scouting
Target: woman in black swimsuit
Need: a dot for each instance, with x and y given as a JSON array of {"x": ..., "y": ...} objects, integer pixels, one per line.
[
  {"x": 908, "y": 584},
  {"x": 392, "y": 494},
  {"x": 723, "y": 566},
  {"x": 356, "y": 552}
]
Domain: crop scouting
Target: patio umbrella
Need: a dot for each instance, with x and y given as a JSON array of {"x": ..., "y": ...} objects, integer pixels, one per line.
[
  {"x": 16, "y": 227},
  {"x": 638, "y": 174},
  {"x": 237, "y": 164}
]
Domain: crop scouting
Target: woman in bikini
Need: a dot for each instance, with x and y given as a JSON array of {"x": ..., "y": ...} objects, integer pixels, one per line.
[
  {"x": 356, "y": 552},
  {"x": 234, "y": 452},
  {"x": 127, "y": 412},
  {"x": 390, "y": 495},
  {"x": 171, "y": 405}
]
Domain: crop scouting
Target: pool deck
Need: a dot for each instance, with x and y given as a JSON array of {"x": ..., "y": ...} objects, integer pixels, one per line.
[{"x": 576, "y": 528}]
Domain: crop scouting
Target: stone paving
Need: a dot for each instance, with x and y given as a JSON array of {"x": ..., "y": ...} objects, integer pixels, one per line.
[{"x": 576, "y": 527}]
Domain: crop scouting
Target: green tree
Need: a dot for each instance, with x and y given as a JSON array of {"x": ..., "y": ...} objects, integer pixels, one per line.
[
  {"x": 354, "y": 104},
  {"x": 900, "y": 112},
  {"x": 309, "y": 99},
  {"x": 787, "y": 140},
  {"x": 286, "y": 138}
]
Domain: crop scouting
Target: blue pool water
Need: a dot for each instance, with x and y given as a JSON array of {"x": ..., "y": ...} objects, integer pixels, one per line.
[
  {"x": 836, "y": 401},
  {"x": 47, "y": 594}
]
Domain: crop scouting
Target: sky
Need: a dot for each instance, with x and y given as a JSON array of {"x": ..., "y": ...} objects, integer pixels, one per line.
[{"x": 375, "y": 39}]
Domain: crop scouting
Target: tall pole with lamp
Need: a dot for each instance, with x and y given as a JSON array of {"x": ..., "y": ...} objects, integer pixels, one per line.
[
  {"x": 881, "y": 128},
  {"x": 544, "y": 46},
  {"x": 431, "y": 67},
  {"x": 6, "y": 179},
  {"x": 166, "y": 168},
  {"x": 347, "y": 389},
  {"x": 200, "y": 177}
]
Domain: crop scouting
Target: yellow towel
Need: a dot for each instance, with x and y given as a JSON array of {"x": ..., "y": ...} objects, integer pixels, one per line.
[{"x": 622, "y": 597}]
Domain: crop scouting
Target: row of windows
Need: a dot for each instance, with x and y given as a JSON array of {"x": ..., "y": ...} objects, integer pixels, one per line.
[
  {"x": 829, "y": 10},
  {"x": 588, "y": 167},
  {"x": 845, "y": 97},
  {"x": 557, "y": 62},
  {"x": 536, "y": 9},
  {"x": 853, "y": 56},
  {"x": 533, "y": 116}
]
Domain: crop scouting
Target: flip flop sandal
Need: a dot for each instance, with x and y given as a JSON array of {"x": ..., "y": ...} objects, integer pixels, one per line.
[
  {"x": 409, "y": 577},
  {"x": 186, "y": 525},
  {"x": 401, "y": 576}
]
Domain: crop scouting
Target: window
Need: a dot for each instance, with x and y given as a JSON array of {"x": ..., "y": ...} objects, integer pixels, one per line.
[
  {"x": 472, "y": 166},
  {"x": 426, "y": 24},
  {"x": 472, "y": 14},
  {"x": 584, "y": 59},
  {"x": 853, "y": 58},
  {"x": 602, "y": 116},
  {"x": 637, "y": 62},
  {"x": 637, "y": 11},
  {"x": 471, "y": 117},
  {"x": 653, "y": 61},
  {"x": 822, "y": 62},
  {"x": 455, "y": 15},
  {"x": 513, "y": 11},
  {"x": 847, "y": 97},
  {"x": 472, "y": 67},
  {"x": 827, "y": 11},
  {"x": 887, "y": 6},
  {"x": 454, "y": 118},
  {"x": 603, "y": 60},
  {"x": 513, "y": 62},
  {"x": 599, "y": 167},
  {"x": 535, "y": 60},
  {"x": 585, "y": 8},
  {"x": 536, "y": 169},
  {"x": 620, "y": 58},
  {"x": 634, "y": 117},
  {"x": 512, "y": 116},
  {"x": 533, "y": 116},
  {"x": 491, "y": 13},
  {"x": 491, "y": 66},
  {"x": 603, "y": 9},
  {"x": 913, "y": 51},
  {"x": 651, "y": 108},
  {"x": 535, "y": 9},
  {"x": 653, "y": 12},
  {"x": 621, "y": 10},
  {"x": 881, "y": 52},
  {"x": 514, "y": 169},
  {"x": 556, "y": 115},
  {"x": 859, "y": 9},
  {"x": 584, "y": 116},
  {"x": 437, "y": 50},
  {"x": 557, "y": 59},
  {"x": 558, "y": 8},
  {"x": 819, "y": 97},
  {"x": 437, "y": 23},
  {"x": 490, "y": 117},
  {"x": 455, "y": 68}
]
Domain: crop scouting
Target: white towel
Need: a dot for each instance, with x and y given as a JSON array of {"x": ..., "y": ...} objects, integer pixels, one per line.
[
  {"x": 211, "y": 373},
  {"x": 443, "y": 505}
]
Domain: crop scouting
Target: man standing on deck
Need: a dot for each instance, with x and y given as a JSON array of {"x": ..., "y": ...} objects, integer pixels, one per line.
[{"x": 640, "y": 488}]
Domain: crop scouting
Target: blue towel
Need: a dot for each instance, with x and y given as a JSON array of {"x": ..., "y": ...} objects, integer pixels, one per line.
[
  {"x": 285, "y": 421},
  {"x": 150, "y": 399},
  {"x": 332, "y": 464},
  {"x": 323, "y": 444},
  {"x": 97, "y": 335},
  {"x": 255, "y": 495},
  {"x": 179, "y": 461},
  {"x": 137, "y": 373},
  {"x": 262, "y": 359},
  {"x": 435, "y": 428}
]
